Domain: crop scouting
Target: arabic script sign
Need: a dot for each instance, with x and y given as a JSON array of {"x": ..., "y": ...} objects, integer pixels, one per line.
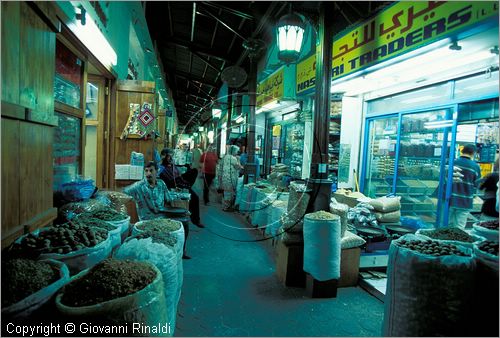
[
  {"x": 271, "y": 88},
  {"x": 401, "y": 28}
]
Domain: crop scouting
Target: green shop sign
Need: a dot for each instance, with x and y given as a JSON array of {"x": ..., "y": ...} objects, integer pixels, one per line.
[{"x": 401, "y": 28}]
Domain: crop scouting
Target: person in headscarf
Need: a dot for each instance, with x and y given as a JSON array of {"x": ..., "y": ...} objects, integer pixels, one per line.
[{"x": 227, "y": 176}]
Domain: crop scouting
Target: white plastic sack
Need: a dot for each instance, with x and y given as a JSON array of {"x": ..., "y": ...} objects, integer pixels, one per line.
[
  {"x": 489, "y": 234},
  {"x": 322, "y": 248},
  {"x": 341, "y": 210},
  {"x": 79, "y": 260},
  {"x": 386, "y": 204},
  {"x": 239, "y": 191},
  {"x": 427, "y": 295},
  {"x": 165, "y": 259},
  {"x": 256, "y": 214},
  {"x": 146, "y": 306},
  {"x": 25, "y": 307},
  {"x": 388, "y": 217},
  {"x": 124, "y": 226},
  {"x": 351, "y": 240},
  {"x": 275, "y": 211}
]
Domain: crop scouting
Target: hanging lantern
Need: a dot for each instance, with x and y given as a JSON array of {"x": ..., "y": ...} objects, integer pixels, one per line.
[{"x": 290, "y": 34}]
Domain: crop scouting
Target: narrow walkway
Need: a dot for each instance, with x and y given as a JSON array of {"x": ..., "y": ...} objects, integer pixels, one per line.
[{"x": 231, "y": 289}]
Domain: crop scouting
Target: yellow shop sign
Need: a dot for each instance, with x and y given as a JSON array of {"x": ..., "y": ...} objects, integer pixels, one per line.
[
  {"x": 271, "y": 88},
  {"x": 401, "y": 28}
]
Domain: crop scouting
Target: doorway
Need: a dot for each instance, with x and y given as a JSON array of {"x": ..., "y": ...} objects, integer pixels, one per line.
[{"x": 96, "y": 124}]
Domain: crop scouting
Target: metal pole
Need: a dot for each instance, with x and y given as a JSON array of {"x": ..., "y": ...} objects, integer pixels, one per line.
[
  {"x": 250, "y": 167},
  {"x": 229, "y": 113},
  {"x": 319, "y": 184}
]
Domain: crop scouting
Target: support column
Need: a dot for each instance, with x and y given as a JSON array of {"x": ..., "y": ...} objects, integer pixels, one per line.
[
  {"x": 250, "y": 167},
  {"x": 229, "y": 113},
  {"x": 319, "y": 184}
]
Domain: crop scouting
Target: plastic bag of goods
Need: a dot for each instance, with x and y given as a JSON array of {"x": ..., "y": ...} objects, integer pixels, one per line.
[
  {"x": 351, "y": 240},
  {"x": 159, "y": 249},
  {"x": 486, "y": 294},
  {"x": 450, "y": 235},
  {"x": 113, "y": 217},
  {"x": 68, "y": 211},
  {"x": 487, "y": 229},
  {"x": 78, "y": 190},
  {"x": 275, "y": 211},
  {"x": 256, "y": 215},
  {"x": 77, "y": 245},
  {"x": 322, "y": 245},
  {"x": 28, "y": 284},
  {"x": 429, "y": 287},
  {"x": 341, "y": 210},
  {"x": 388, "y": 217},
  {"x": 118, "y": 200},
  {"x": 122, "y": 295},
  {"x": 239, "y": 191},
  {"x": 386, "y": 203},
  {"x": 297, "y": 201}
]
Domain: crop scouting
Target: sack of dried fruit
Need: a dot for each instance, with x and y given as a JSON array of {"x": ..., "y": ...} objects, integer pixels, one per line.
[
  {"x": 487, "y": 229},
  {"x": 322, "y": 245},
  {"x": 451, "y": 235},
  {"x": 429, "y": 287},
  {"x": 118, "y": 293},
  {"x": 77, "y": 245},
  {"x": 28, "y": 284}
]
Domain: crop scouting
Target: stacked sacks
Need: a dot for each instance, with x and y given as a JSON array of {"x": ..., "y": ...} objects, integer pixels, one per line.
[
  {"x": 293, "y": 220},
  {"x": 387, "y": 209}
]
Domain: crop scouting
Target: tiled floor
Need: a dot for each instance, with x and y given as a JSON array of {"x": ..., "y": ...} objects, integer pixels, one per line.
[{"x": 230, "y": 289}]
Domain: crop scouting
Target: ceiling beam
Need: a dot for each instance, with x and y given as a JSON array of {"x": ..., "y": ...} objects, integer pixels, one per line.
[
  {"x": 213, "y": 16},
  {"x": 229, "y": 10},
  {"x": 193, "y": 20},
  {"x": 194, "y": 47},
  {"x": 207, "y": 62},
  {"x": 190, "y": 77}
]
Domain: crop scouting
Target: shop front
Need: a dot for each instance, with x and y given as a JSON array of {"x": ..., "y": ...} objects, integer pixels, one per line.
[{"x": 437, "y": 92}]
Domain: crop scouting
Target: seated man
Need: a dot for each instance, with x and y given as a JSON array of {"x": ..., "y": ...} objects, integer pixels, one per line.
[
  {"x": 172, "y": 178},
  {"x": 151, "y": 195}
]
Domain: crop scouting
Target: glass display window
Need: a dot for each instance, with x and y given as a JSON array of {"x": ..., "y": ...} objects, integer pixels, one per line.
[
  {"x": 66, "y": 151},
  {"x": 69, "y": 76},
  {"x": 381, "y": 156}
]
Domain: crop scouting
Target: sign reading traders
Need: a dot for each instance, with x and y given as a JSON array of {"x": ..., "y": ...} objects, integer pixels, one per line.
[
  {"x": 401, "y": 28},
  {"x": 271, "y": 88}
]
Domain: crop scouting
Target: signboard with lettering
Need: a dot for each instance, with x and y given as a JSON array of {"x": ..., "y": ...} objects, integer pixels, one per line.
[
  {"x": 271, "y": 88},
  {"x": 401, "y": 28}
]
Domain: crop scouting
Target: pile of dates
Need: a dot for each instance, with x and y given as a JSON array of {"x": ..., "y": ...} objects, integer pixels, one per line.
[
  {"x": 492, "y": 225},
  {"x": 490, "y": 247},
  {"x": 61, "y": 239},
  {"x": 430, "y": 247}
]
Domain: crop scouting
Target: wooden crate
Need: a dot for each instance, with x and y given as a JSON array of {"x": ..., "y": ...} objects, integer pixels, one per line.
[{"x": 289, "y": 263}]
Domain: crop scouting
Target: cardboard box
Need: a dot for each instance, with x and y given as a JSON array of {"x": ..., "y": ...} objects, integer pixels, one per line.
[{"x": 122, "y": 171}]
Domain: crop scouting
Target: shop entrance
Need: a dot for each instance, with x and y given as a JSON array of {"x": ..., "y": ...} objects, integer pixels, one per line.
[
  {"x": 96, "y": 129},
  {"x": 409, "y": 155}
]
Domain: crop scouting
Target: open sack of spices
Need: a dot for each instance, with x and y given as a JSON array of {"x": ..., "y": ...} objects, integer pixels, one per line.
[
  {"x": 28, "y": 284},
  {"x": 116, "y": 293},
  {"x": 118, "y": 220},
  {"x": 429, "y": 288},
  {"x": 78, "y": 245},
  {"x": 159, "y": 248}
]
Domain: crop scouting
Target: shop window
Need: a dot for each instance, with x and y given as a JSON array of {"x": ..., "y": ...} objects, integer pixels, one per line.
[{"x": 68, "y": 77}]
